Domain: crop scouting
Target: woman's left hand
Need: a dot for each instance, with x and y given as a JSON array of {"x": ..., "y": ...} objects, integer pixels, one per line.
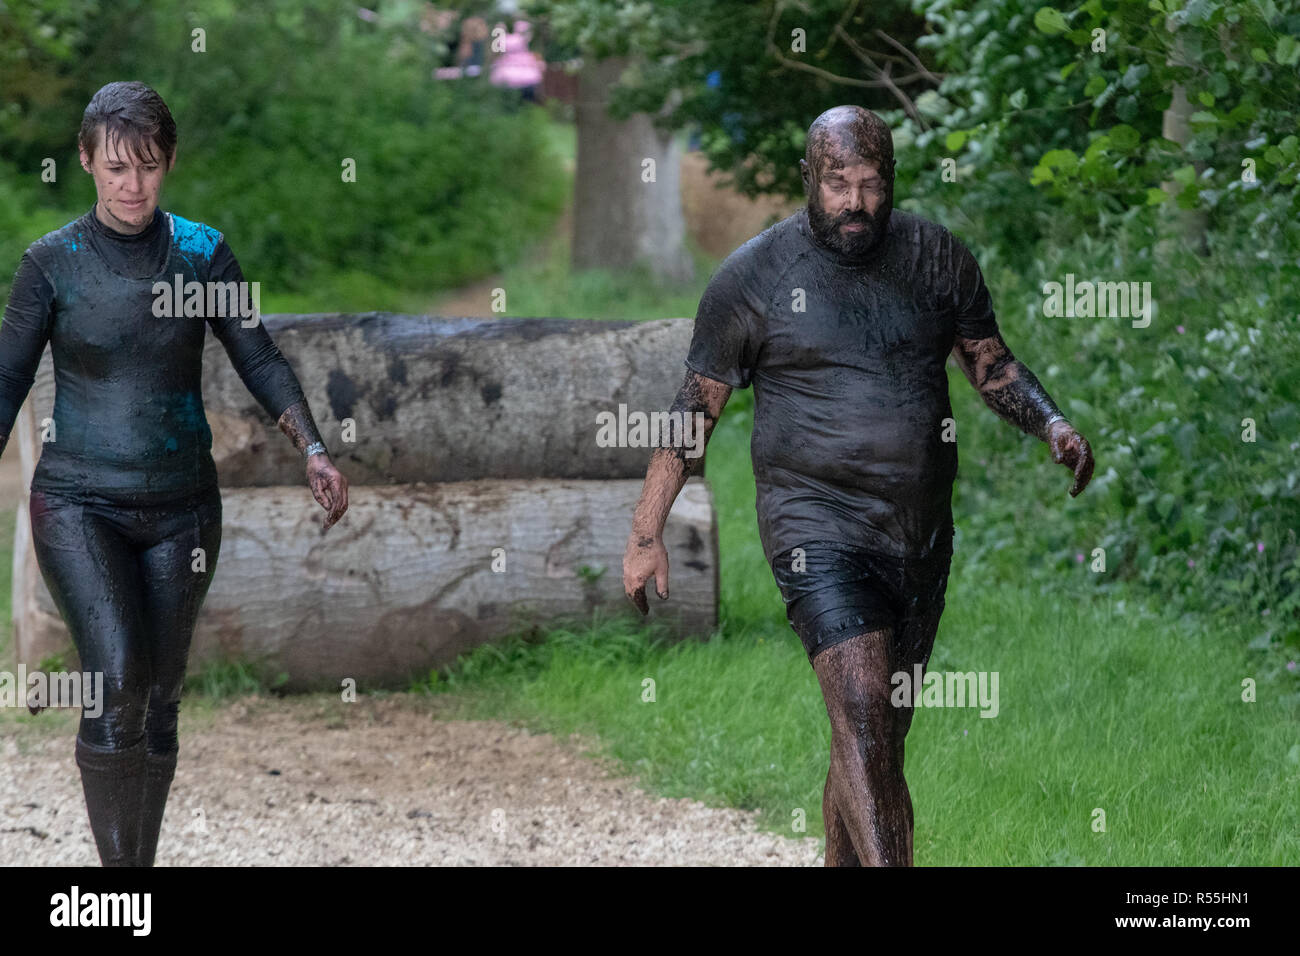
[{"x": 328, "y": 487}]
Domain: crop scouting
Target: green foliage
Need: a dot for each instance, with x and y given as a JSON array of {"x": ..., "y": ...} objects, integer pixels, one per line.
[
  {"x": 1077, "y": 177},
  {"x": 1036, "y": 89},
  {"x": 1180, "y": 503},
  {"x": 451, "y": 178},
  {"x": 21, "y": 221},
  {"x": 225, "y": 679},
  {"x": 753, "y": 121},
  {"x": 39, "y": 39}
]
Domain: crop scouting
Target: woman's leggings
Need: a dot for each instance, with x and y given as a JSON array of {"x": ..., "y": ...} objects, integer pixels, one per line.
[{"x": 129, "y": 581}]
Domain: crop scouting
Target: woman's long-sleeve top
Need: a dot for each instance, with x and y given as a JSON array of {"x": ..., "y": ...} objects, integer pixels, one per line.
[{"x": 128, "y": 423}]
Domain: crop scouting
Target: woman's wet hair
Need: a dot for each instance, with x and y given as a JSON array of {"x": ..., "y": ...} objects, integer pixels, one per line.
[{"x": 133, "y": 115}]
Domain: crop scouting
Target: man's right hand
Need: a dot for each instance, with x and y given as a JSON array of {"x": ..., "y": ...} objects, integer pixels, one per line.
[{"x": 645, "y": 557}]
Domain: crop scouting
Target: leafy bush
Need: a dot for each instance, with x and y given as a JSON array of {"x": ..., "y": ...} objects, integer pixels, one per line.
[
  {"x": 1062, "y": 167},
  {"x": 21, "y": 221},
  {"x": 451, "y": 178}
]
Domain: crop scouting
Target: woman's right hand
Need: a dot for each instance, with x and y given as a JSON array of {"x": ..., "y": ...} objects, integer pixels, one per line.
[{"x": 328, "y": 487}]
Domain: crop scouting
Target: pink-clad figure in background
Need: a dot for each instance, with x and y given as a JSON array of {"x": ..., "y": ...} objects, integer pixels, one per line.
[{"x": 516, "y": 66}]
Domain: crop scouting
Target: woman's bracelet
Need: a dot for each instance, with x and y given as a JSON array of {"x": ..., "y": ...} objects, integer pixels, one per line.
[{"x": 315, "y": 448}]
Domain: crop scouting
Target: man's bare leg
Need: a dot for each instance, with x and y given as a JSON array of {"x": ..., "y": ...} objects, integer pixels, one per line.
[
  {"x": 903, "y": 721},
  {"x": 866, "y": 779},
  {"x": 912, "y": 648},
  {"x": 839, "y": 848}
]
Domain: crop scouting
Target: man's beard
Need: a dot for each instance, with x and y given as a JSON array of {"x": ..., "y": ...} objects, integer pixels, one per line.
[{"x": 851, "y": 245}]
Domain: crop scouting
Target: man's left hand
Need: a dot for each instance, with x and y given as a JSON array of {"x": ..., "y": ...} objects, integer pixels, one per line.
[{"x": 1071, "y": 449}]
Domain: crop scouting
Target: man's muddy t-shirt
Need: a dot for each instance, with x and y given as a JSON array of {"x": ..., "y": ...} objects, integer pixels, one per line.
[{"x": 847, "y": 360}]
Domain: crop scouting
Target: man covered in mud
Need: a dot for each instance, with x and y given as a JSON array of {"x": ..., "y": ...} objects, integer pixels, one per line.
[{"x": 842, "y": 317}]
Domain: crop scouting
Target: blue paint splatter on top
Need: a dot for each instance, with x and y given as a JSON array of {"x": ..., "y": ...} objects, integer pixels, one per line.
[
  {"x": 72, "y": 243},
  {"x": 186, "y": 409},
  {"x": 194, "y": 240}
]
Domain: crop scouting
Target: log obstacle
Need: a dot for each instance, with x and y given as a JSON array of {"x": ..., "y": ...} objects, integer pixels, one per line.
[
  {"x": 434, "y": 399},
  {"x": 481, "y": 504}
]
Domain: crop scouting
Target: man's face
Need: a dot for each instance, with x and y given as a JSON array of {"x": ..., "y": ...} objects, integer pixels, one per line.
[
  {"x": 849, "y": 201},
  {"x": 127, "y": 185}
]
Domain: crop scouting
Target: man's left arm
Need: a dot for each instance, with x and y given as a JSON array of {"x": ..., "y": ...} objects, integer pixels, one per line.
[{"x": 1015, "y": 394}]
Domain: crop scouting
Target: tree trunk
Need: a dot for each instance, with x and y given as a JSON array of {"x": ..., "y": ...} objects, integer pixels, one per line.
[
  {"x": 620, "y": 220},
  {"x": 1193, "y": 225}
]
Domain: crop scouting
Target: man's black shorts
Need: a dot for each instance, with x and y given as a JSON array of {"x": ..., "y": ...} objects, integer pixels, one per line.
[{"x": 843, "y": 591}]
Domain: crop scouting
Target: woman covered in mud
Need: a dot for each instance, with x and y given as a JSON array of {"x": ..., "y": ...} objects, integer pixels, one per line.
[{"x": 125, "y": 508}]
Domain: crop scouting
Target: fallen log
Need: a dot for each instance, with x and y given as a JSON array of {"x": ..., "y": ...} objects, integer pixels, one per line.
[
  {"x": 435, "y": 399},
  {"x": 411, "y": 577}
]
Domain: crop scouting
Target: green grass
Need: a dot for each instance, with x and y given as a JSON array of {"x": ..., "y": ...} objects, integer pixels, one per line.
[
  {"x": 219, "y": 680},
  {"x": 1100, "y": 707},
  {"x": 1103, "y": 705}
]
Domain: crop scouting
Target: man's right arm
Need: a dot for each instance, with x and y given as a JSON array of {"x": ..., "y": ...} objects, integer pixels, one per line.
[{"x": 646, "y": 555}]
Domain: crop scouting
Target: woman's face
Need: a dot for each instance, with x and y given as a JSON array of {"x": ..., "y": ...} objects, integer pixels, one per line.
[{"x": 127, "y": 185}]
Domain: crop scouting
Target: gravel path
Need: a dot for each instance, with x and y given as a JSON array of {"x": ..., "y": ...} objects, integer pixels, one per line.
[{"x": 384, "y": 781}]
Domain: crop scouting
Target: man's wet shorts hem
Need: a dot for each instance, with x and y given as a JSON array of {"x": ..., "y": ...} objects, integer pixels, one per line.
[
  {"x": 833, "y": 626},
  {"x": 837, "y": 592}
]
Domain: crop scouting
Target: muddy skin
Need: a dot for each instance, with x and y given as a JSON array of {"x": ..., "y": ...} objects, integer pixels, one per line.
[
  {"x": 1006, "y": 385},
  {"x": 845, "y": 336},
  {"x": 645, "y": 555},
  {"x": 328, "y": 486},
  {"x": 849, "y": 129},
  {"x": 692, "y": 398},
  {"x": 866, "y": 805},
  {"x": 1011, "y": 390},
  {"x": 841, "y": 138}
]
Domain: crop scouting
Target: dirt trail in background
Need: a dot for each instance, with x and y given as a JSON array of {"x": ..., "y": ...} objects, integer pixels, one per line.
[
  {"x": 313, "y": 781},
  {"x": 718, "y": 220}
]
